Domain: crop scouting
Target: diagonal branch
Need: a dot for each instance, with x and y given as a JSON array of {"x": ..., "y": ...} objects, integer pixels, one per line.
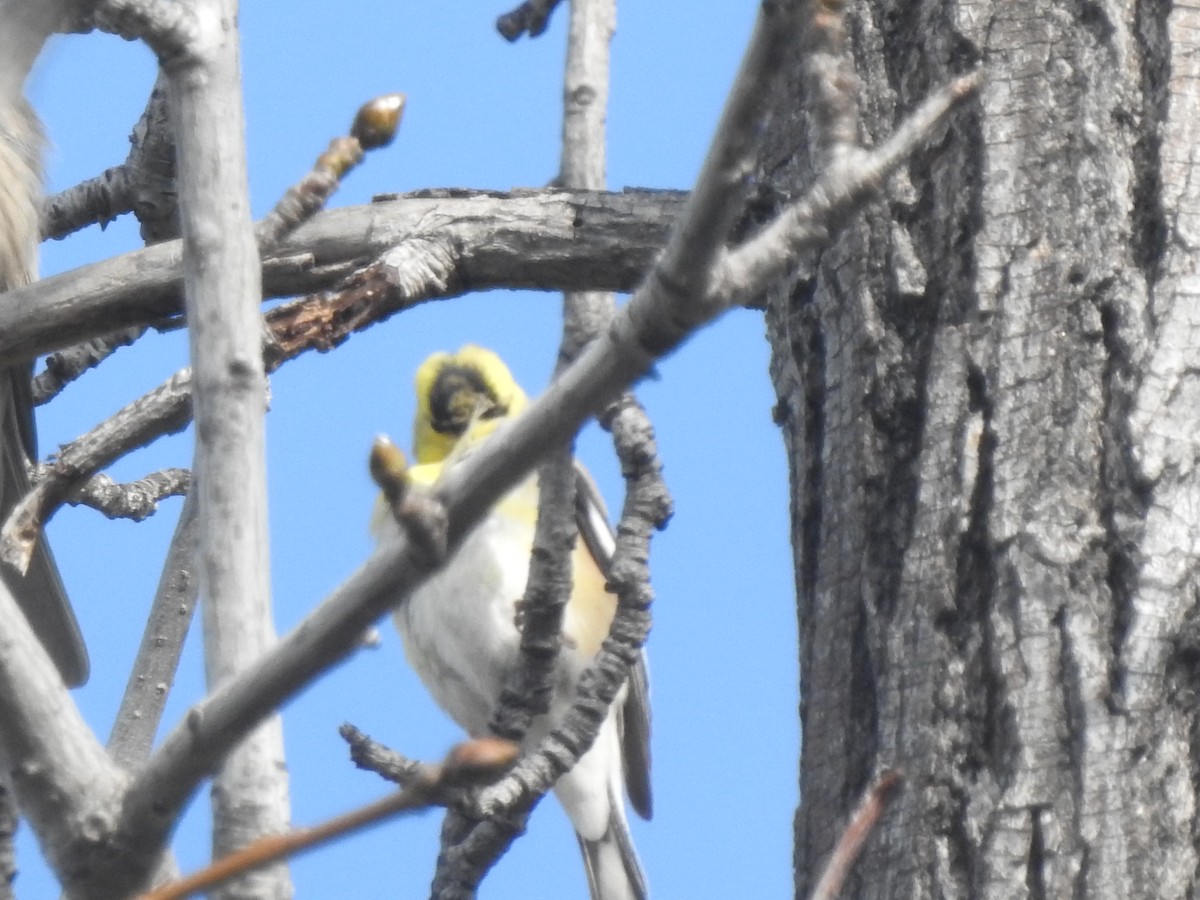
[
  {"x": 688, "y": 262},
  {"x": 157, "y": 659},
  {"x": 805, "y": 226}
]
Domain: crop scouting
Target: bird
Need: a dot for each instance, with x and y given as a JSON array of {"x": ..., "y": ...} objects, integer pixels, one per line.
[
  {"x": 461, "y": 628},
  {"x": 39, "y": 592}
]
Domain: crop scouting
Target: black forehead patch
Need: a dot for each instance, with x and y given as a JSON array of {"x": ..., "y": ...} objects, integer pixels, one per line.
[{"x": 454, "y": 384}]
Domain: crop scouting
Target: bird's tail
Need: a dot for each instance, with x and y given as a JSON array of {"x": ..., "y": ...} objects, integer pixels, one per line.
[{"x": 613, "y": 870}]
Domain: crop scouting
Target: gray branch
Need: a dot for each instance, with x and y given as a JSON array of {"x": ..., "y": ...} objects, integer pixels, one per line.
[
  {"x": 135, "y": 500},
  {"x": 223, "y": 290},
  {"x": 158, "y": 655},
  {"x": 144, "y": 184},
  {"x": 168, "y": 28},
  {"x": 541, "y": 240}
]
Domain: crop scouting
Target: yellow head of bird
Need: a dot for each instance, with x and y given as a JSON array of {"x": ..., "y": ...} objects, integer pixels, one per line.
[{"x": 470, "y": 391}]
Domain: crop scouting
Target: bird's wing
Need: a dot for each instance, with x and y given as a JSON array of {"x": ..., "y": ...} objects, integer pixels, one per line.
[{"x": 634, "y": 720}]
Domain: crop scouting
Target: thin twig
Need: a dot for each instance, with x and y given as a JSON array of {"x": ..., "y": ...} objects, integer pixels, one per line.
[
  {"x": 66, "y": 365},
  {"x": 374, "y": 126},
  {"x": 807, "y": 225},
  {"x": 855, "y": 834},
  {"x": 470, "y": 763},
  {"x": 372, "y": 756}
]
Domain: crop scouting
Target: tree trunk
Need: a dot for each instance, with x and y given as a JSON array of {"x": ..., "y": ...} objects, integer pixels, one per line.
[{"x": 990, "y": 396}]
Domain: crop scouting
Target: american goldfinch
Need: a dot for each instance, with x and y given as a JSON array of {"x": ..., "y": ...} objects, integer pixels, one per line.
[
  {"x": 461, "y": 630},
  {"x": 39, "y": 592}
]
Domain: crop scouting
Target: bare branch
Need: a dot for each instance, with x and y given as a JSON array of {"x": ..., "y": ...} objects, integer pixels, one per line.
[
  {"x": 807, "y": 225},
  {"x": 527, "y": 692},
  {"x": 223, "y": 290},
  {"x": 857, "y": 830},
  {"x": 543, "y": 240},
  {"x": 152, "y": 158},
  {"x": 369, "y": 754},
  {"x": 470, "y": 763},
  {"x": 136, "y": 500},
  {"x": 157, "y": 660},
  {"x": 169, "y": 29},
  {"x": 585, "y": 98},
  {"x": 144, "y": 184},
  {"x": 98, "y": 200},
  {"x": 165, "y": 410},
  {"x": 374, "y": 127},
  {"x": 584, "y": 150},
  {"x": 66, "y": 365},
  {"x": 717, "y": 198}
]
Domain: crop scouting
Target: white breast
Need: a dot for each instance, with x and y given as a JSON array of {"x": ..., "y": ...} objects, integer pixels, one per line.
[{"x": 459, "y": 628}]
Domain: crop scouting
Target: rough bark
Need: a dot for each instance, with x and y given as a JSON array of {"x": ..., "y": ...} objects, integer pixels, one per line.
[{"x": 990, "y": 401}]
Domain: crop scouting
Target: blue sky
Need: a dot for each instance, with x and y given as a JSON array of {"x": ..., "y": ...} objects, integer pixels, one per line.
[{"x": 483, "y": 114}]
